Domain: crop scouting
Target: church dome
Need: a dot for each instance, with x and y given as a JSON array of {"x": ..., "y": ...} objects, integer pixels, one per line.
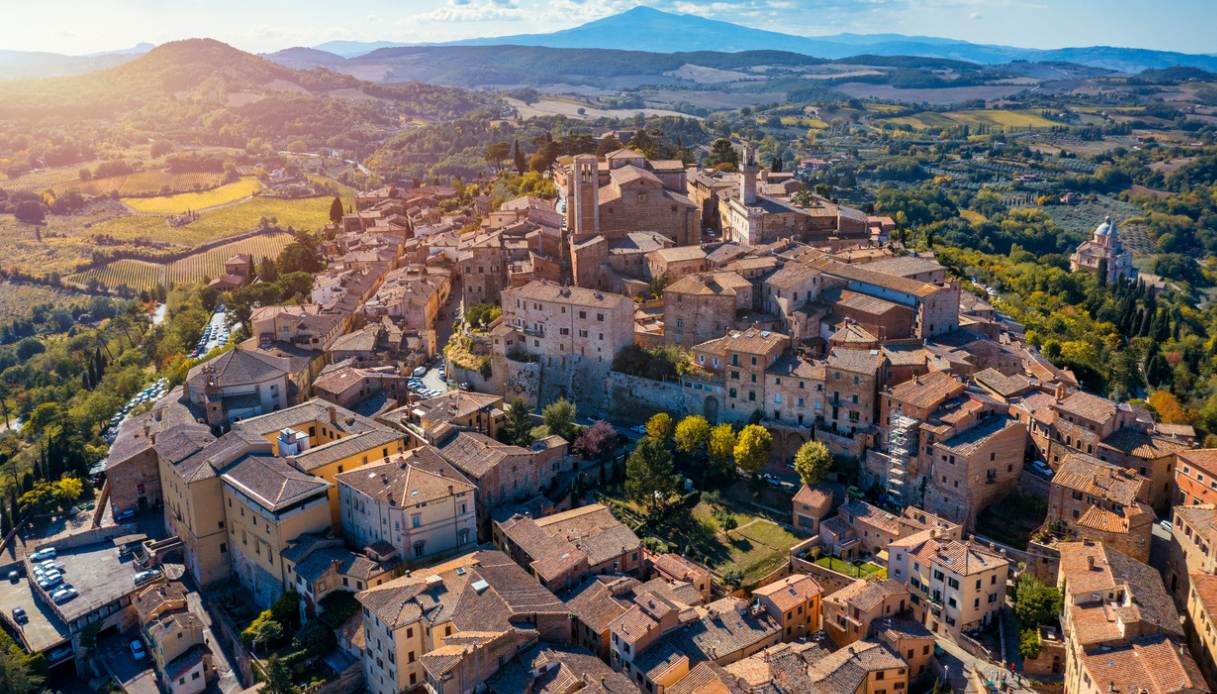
[{"x": 1106, "y": 228}]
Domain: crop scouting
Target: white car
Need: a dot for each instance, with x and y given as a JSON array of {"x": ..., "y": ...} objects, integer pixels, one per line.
[
  {"x": 50, "y": 581},
  {"x": 137, "y": 650},
  {"x": 49, "y": 566},
  {"x": 43, "y": 554},
  {"x": 63, "y": 595},
  {"x": 147, "y": 576},
  {"x": 420, "y": 371}
]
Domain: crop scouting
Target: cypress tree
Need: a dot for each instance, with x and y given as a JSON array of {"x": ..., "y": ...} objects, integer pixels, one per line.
[{"x": 518, "y": 158}]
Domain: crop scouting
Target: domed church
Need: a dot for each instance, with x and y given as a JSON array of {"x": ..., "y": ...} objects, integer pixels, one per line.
[{"x": 1104, "y": 246}]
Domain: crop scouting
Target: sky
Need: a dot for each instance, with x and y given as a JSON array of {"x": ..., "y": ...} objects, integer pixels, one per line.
[{"x": 87, "y": 26}]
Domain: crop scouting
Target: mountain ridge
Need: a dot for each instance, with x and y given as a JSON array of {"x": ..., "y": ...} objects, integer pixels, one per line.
[{"x": 643, "y": 28}]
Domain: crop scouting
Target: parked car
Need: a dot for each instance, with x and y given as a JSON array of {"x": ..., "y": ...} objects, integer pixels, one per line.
[
  {"x": 49, "y": 566},
  {"x": 14, "y": 576},
  {"x": 420, "y": 371},
  {"x": 63, "y": 595},
  {"x": 50, "y": 580},
  {"x": 43, "y": 554},
  {"x": 124, "y": 515},
  {"x": 137, "y": 650},
  {"x": 19, "y": 615},
  {"x": 1166, "y": 524},
  {"x": 1041, "y": 467},
  {"x": 147, "y": 576}
]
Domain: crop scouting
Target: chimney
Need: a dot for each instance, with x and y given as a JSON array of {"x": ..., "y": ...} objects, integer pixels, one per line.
[
  {"x": 1090, "y": 562},
  {"x": 333, "y": 415}
]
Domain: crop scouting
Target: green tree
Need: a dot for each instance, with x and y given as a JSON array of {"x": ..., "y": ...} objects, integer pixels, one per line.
[
  {"x": 263, "y": 631},
  {"x": 752, "y": 448},
  {"x": 1035, "y": 603},
  {"x": 336, "y": 210},
  {"x": 650, "y": 478},
  {"x": 721, "y": 449},
  {"x": 17, "y": 676},
  {"x": 518, "y": 159},
  {"x": 278, "y": 677},
  {"x": 517, "y": 425},
  {"x": 496, "y": 152},
  {"x": 68, "y": 489},
  {"x": 692, "y": 434},
  {"x": 659, "y": 427},
  {"x": 286, "y": 610},
  {"x": 1029, "y": 643},
  {"x": 559, "y": 418},
  {"x": 812, "y": 462}
]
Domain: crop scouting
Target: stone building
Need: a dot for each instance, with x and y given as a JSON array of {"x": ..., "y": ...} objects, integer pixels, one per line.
[
  {"x": 1104, "y": 252},
  {"x": 561, "y": 549},
  {"x": 626, "y": 193},
  {"x": 954, "y": 586},
  {"x": 699, "y": 308},
  {"x": 417, "y": 503},
  {"x": 974, "y": 468},
  {"x": 1093, "y": 500}
]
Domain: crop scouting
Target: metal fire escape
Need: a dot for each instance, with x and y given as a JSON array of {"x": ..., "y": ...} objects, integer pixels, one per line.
[{"x": 901, "y": 446}]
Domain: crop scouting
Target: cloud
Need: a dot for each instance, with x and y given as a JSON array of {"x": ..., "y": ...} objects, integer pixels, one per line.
[
  {"x": 475, "y": 11},
  {"x": 975, "y": 15}
]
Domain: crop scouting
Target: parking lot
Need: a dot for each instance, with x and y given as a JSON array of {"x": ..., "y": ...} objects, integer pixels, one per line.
[
  {"x": 44, "y": 630},
  {"x": 135, "y": 677},
  {"x": 100, "y": 576}
]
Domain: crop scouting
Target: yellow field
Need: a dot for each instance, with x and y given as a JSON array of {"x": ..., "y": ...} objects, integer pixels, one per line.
[
  {"x": 993, "y": 118},
  {"x": 141, "y": 274},
  {"x": 1026, "y": 118},
  {"x": 306, "y": 213},
  {"x": 804, "y": 121},
  {"x": 177, "y": 204}
]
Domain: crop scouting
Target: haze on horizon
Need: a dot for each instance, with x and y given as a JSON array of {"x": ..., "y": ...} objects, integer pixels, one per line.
[{"x": 87, "y": 26}]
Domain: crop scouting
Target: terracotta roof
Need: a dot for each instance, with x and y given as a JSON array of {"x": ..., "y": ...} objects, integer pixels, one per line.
[
  {"x": 927, "y": 391},
  {"x": 272, "y": 482},
  {"x": 400, "y": 483},
  {"x": 1088, "y": 406},
  {"x": 1153, "y": 665},
  {"x": 1089, "y": 475},
  {"x": 790, "y": 592}
]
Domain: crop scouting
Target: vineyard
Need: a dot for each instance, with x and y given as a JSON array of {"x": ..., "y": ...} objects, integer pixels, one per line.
[
  {"x": 17, "y": 299},
  {"x": 1080, "y": 220},
  {"x": 182, "y": 202},
  {"x": 141, "y": 274},
  {"x": 144, "y": 183}
]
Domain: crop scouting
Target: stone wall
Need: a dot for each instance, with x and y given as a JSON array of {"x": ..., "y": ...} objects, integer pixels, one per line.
[
  {"x": 631, "y": 398},
  {"x": 830, "y": 581}
]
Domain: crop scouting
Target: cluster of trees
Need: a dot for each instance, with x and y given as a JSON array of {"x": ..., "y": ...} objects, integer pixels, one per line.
[
  {"x": 1035, "y": 605},
  {"x": 719, "y": 451}
]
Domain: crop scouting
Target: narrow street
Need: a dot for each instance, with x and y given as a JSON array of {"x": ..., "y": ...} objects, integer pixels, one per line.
[{"x": 959, "y": 666}]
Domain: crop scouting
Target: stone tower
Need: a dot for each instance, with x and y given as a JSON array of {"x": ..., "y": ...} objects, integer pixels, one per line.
[
  {"x": 747, "y": 191},
  {"x": 584, "y": 197}
]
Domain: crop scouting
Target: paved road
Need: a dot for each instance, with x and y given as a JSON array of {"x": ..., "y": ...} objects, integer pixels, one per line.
[
  {"x": 960, "y": 664},
  {"x": 227, "y": 683}
]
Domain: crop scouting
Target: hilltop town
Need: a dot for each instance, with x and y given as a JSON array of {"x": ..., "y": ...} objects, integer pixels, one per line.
[{"x": 675, "y": 429}]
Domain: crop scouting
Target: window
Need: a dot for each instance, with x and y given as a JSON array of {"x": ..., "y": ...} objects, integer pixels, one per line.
[{"x": 416, "y": 520}]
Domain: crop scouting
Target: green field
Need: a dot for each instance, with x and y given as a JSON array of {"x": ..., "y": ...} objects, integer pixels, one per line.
[
  {"x": 182, "y": 202},
  {"x": 863, "y": 570},
  {"x": 141, "y": 274}
]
